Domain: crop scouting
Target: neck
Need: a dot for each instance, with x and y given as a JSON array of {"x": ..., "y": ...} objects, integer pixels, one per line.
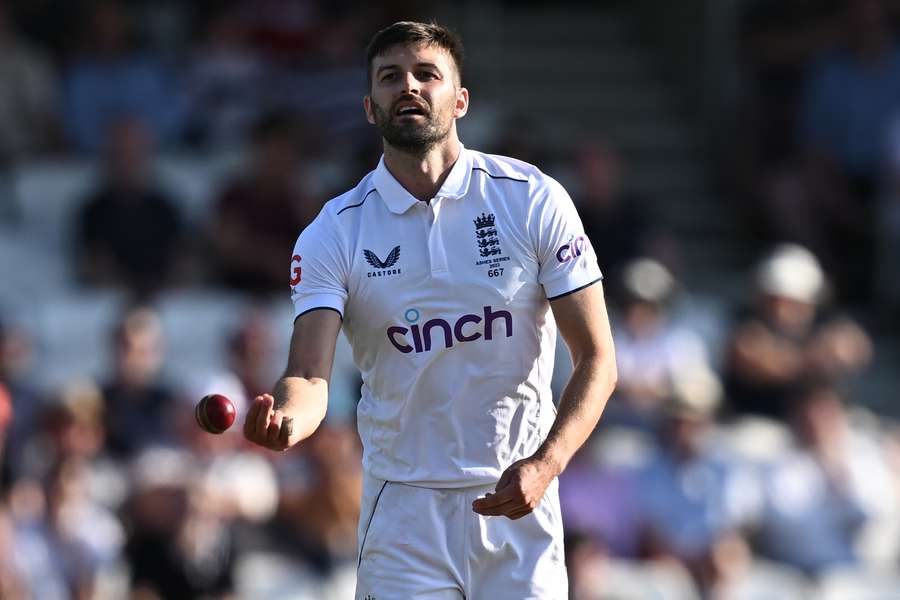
[{"x": 423, "y": 175}]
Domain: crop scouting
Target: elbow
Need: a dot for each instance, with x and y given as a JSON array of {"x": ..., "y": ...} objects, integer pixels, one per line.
[
  {"x": 611, "y": 373},
  {"x": 602, "y": 365}
]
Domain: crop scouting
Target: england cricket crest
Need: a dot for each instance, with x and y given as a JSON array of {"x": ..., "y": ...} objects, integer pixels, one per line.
[
  {"x": 486, "y": 236},
  {"x": 489, "y": 246}
]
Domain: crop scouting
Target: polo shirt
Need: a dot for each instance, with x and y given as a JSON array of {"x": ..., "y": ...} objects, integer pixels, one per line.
[{"x": 446, "y": 306}]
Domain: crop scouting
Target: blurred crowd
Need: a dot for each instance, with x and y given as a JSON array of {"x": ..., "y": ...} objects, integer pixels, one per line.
[
  {"x": 820, "y": 137},
  {"x": 735, "y": 459}
]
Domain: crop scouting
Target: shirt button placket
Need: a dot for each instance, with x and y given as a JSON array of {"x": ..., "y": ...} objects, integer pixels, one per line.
[{"x": 436, "y": 255}]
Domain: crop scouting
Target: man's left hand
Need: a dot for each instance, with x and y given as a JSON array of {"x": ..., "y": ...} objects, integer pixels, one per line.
[{"x": 519, "y": 491}]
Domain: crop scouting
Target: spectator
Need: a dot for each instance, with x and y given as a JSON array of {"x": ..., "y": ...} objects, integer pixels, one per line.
[
  {"x": 599, "y": 501},
  {"x": 12, "y": 583},
  {"x": 615, "y": 218},
  {"x": 650, "y": 350},
  {"x": 226, "y": 83},
  {"x": 779, "y": 41},
  {"x": 71, "y": 540},
  {"x": 251, "y": 348},
  {"x": 130, "y": 233},
  {"x": 785, "y": 340},
  {"x": 694, "y": 501},
  {"x": 285, "y": 32},
  {"x": 72, "y": 429},
  {"x": 15, "y": 362},
  {"x": 28, "y": 95},
  {"x": 319, "y": 510},
  {"x": 822, "y": 495},
  {"x": 6, "y": 415},
  {"x": 138, "y": 404},
  {"x": 111, "y": 80},
  {"x": 237, "y": 483},
  {"x": 176, "y": 546},
  {"x": 853, "y": 93},
  {"x": 520, "y": 136},
  {"x": 889, "y": 235},
  {"x": 261, "y": 212}
]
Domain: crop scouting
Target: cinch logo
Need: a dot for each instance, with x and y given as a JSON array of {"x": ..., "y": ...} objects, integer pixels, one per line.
[
  {"x": 465, "y": 329},
  {"x": 572, "y": 250}
]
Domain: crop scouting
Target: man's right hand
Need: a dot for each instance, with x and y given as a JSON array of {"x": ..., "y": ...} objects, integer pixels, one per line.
[{"x": 267, "y": 427}]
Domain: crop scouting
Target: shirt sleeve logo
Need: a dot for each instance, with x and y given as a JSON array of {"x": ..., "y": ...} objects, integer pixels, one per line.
[
  {"x": 383, "y": 266},
  {"x": 571, "y": 250},
  {"x": 296, "y": 272}
]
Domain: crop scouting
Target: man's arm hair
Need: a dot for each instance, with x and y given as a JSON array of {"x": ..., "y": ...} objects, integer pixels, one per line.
[
  {"x": 584, "y": 324},
  {"x": 302, "y": 392}
]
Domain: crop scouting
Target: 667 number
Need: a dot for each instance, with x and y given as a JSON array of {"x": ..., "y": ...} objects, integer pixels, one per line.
[{"x": 495, "y": 272}]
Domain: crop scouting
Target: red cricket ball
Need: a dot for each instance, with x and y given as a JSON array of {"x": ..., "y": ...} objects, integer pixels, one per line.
[{"x": 215, "y": 413}]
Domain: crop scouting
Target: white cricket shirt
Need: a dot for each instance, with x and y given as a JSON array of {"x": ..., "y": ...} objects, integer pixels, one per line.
[{"x": 445, "y": 305}]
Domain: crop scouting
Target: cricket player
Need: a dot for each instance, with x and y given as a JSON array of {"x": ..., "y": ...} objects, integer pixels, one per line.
[{"x": 450, "y": 271}]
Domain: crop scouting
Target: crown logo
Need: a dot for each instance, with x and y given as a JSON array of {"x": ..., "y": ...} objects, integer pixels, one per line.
[{"x": 484, "y": 221}]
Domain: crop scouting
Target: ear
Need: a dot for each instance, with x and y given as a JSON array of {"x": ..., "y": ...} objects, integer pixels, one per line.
[
  {"x": 462, "y": 103},
  {"x": 367, "y": 106}
]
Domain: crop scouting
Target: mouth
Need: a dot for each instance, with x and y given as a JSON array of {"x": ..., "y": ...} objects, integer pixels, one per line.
[{"x": 410, "y": 110}]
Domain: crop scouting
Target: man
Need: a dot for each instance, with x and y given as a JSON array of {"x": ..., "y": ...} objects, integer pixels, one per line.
[{"x": 442, "y": 266}]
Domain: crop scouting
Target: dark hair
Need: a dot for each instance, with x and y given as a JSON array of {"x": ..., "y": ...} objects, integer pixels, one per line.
[{"x": 409, "y": 32}]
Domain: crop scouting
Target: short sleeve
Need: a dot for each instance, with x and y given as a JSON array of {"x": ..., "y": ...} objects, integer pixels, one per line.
[
  {"x": 567, "y": 260},
  {"x": 319, "y": 268}
]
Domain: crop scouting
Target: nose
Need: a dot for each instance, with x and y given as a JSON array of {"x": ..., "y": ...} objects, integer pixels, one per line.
[{"x": 411, "y": 85}]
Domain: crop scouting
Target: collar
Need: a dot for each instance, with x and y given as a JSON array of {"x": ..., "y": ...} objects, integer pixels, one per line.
[{"x": 399, "y": 200}]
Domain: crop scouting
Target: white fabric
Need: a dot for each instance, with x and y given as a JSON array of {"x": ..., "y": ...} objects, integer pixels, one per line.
[
  {"x": 429, "y": 544},
  {"x": 446, "y": 307}
]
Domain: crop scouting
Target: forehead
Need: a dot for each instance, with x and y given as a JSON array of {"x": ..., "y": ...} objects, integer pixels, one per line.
[{"x": 411, "y": 54}]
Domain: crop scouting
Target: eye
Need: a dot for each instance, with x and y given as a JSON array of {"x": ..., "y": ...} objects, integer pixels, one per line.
[
  {"x": 389, "y": 76},
  {"x": 426, "y": 75}
]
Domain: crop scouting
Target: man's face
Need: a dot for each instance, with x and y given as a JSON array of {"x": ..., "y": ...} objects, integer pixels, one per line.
[{"x": 415, "y": 98}]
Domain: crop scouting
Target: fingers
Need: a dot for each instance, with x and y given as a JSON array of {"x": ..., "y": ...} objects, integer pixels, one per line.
[
  {"x": 513, "y": 507},
  {"x": 265, "y": 413},
  {"x": 267, "y": 427},
  {"x": 250, "y": 420},
  {"x": 495, "y": 510},
  {"x": 493, "y": 501},
  {"x": 252, "y": 417},
  {"x": 273, "y": 430},
  {"x": 516, "y": 515},
  {"x": 518, "y": 492}
]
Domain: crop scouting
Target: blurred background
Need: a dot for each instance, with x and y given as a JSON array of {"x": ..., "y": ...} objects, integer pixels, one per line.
[{"x": 737, "y": 167}]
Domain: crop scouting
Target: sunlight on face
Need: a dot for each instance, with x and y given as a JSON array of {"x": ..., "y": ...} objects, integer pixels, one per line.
[{"x": 415, "y": 98}]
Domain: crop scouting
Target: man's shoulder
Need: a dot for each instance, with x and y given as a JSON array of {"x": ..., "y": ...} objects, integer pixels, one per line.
[
  {"x": 504, "y": 167},
  {"x": 352, "y": 199}
]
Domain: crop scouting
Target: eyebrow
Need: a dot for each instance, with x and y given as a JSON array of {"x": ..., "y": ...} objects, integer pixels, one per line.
[{"x": 418, "y": 65}]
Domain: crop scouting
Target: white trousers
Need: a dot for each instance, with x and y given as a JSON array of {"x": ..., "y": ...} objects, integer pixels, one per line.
[{"x": 419, "y": 543}]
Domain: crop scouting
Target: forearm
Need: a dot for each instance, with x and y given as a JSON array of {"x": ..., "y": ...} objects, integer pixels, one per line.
[
  {"x": 583, "y": 400},
  {"x": 304, "y": 400}
]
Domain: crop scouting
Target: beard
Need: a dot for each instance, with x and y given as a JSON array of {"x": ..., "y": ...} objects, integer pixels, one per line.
[{"x": 411, "y": 136}]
